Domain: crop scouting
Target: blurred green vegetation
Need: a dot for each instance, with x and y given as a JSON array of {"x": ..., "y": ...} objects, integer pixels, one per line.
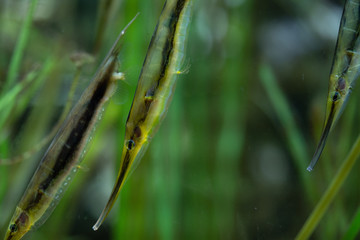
[{"x": 229, "y": 161}]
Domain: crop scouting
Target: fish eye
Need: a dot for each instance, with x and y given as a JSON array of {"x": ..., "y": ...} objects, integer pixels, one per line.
[
  {"x": 336, "y": 96},
  {"x": 130, "y": 144},
  {"x": 13, "y": 227}
]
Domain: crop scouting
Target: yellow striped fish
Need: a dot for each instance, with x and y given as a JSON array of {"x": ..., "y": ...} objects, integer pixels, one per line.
[
  {"x": 154, "y": 90},
  {"x": 344, "y": 71},
  {"x": 61, "y": 160}
]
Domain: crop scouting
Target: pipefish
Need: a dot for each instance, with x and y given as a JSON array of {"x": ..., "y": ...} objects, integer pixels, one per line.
[
  {"x": 61, "y": 160},
  {"x": 154, "y": 91},
  {"x": 344, "y": 71}
]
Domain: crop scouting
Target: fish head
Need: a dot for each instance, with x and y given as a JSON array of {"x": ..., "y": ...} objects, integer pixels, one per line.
[
  {"x": 135, "y": 145},
  {"x": 19, "y": 225},
  {"x": 339, "y": 91}
]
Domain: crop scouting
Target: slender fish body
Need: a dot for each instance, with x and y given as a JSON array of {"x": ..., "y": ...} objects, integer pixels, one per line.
[
  {"x": 61, "y": 160},
  {"x": 154, "y": 90},
  {"x": 344, "y": 72}
]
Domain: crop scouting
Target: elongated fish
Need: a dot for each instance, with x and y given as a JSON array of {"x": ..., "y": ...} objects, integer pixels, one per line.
[
  {"x": 154, "y": 90},
  {"x": 61, "y": 160},
  {"x": 344, "y": 71}
]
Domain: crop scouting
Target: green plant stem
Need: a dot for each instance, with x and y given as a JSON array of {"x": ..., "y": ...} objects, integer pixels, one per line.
[
  {"x": 330, "y": 193},
  {"x": 4, "y": 179},
  {"x": 102, "y": 19},
  {"x": 19, "y": 48},
  {"x": 12, "y": 94},
  {"x": 354, "y": 227},
  {"x": 16, "y": 60},
  {"x": 55, "y": 128},
  {"x": 295, "y": 140}
]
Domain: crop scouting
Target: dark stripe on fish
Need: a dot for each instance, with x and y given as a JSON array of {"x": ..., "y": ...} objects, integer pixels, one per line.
[
  {"x": 166, "y": 54},
  {"x": 70, "y": 148},
  {"x": 351, "y": 43},
  {"x": 169, "y": 45}
]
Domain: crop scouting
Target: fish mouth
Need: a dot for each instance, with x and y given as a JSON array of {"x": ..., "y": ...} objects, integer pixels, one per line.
[
  {"x": 8, "y": 236},
  {"x": 15, "y": 236},
  {"x": 324, "y": 135},
  {"x": 115, "y": 192}
]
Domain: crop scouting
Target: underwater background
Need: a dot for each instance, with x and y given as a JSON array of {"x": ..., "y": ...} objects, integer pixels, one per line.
[{"x": 229, "y": 160}]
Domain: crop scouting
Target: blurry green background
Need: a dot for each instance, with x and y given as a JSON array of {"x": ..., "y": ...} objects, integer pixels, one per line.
[{"x": 229, "y": 160}]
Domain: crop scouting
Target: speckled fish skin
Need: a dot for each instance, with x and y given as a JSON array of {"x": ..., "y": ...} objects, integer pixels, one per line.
[
  {"x": 344, "y": 71},
  {"x": 154, "y": 90},
  {"x": 61, "y": 160}
]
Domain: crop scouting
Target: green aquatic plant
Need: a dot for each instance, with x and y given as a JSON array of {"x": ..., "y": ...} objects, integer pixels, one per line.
[{"x": 257, "y": 79}]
